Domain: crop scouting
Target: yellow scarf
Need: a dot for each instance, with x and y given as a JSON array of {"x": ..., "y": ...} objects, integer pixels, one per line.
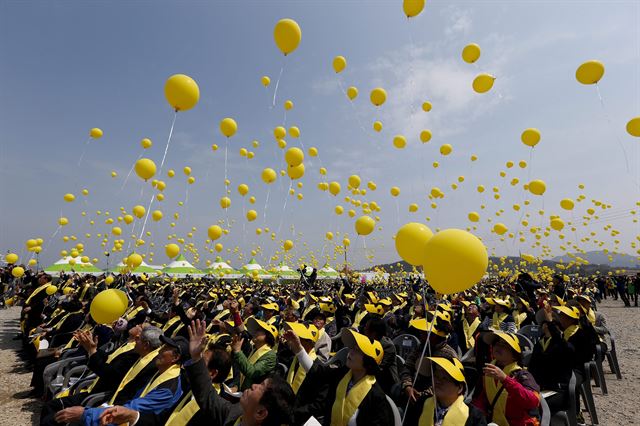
[
  {"x": 497, "y": 320},
  {"x": 170, "y": 323},
  {"x": 346, "y": 404},
  {"x": 132, "y": 314},
  {"x": 492, "y": 387},
  {"x": 457, "y": 413},
  {"x": 84, "y": 291},
  {"x": 544, "y": 342},
  {"x": 134, "y": 371},
  {"x": 518, "y": 318},
  {"x": 122, "y": 349},
  {"x": 62, "y": 320},
  {"x": 272, "y": 320},
  {"x": 469, "y": 330},
  {"x": 254, "y": 357},
  {"x": 222, "y": 314},
  {"x": 170, "y": 373},
  {"x": 570, "y": 331},
  {"x": 186, "y": 409},
  {"x": 358, "y": 318},
  {"x": 296, "y": 375},
  {"x": 591, "y": 316},
  {"x": 36, "y": 291}
]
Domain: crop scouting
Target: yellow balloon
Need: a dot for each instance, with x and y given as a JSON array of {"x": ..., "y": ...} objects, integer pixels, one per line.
[
  {"x": 365, "y": 225},
  {"x": 471, "y": 53},
  {"x": 530, "y": 137},
  {"x": 411, "y": 240},
  {"x": 225, "y": 202},
  {"x": 567, "y": 204},
  {"x": 557, "y": 224},
  {"x": 69, "y": 198},
  {"x": 146, "y": 143},
  {"x": 412, "y": 8},
  {"x": 17, "y": 271},
  {"x": 63, "y": 221},
  {"x": 313, "y": 151},
  {"x": 108, "y": 305},
  {"x": 425, "y": 136},
  {"x": 446, "y": 149},
  {"x": 134, "y": 260},
  {"x": 395, "y": 191},
  {"x": 377, "y": 126},
  {"x": 265, "y": 80},
  {"x": 214, "y": 232},
  {"x": 334, "y": 188},
  {"x": 294, "y": 132},
  {"x": 294, "y": 157},
  {"x": 399, "y": 141},
  {"x": 95, "y": 133},
  {"x": 11, "y": 258},
  {"x": 51, "y": 290},
  {"x": 339, "y": 63},
  {"x": 116, "y": 230},
  {"x": 352, "y": 92},
  {"x": 287, "y": 35},
  {"x": 500, "y": 228},
  {"x": 329, "y": 236},
  {"x": 243, "y": 189},
  {"x": 483, "y": 83},
  {"x": 339, "y": 210},
  {"x": 288, "y": 245},
  {"x": 537, "y": 187},
  {"x": 228, "y": 127},
  {"x": 269, "y": 175},
  {"x": 346, "y": 242},
  {"x": 413, "y": 207},
  {"x": 378, "y": 96},
  {"x": 182, "y": 92},
  {"x": 156, "y": 215},
  {"x": 172, "y": 250},
  {"x": 426, "y": 106},
  {"x": 218, "y": 247},
  {"x": 590, "y": 72},
  {"x": 109, "y": 280},
  {"x": 139, "y": 211},
  {"x": 474, "y": 217},
  {"x": 633, "y": 127},
  {"x": 127, "y": 219},
  {"x": 252, "y": 215},
  {"x": 145, "y": 168},
  {"x": 354, "y": 181},
  {"x": 454, "y": 261},
  {"x": 32, "y": 262},
  {"x": 295, "y": 172},
  {"x": 288, "y": 105}
]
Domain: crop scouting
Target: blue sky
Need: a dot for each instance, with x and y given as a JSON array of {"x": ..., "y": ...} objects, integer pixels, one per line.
[{"x": 70, "y": 66}]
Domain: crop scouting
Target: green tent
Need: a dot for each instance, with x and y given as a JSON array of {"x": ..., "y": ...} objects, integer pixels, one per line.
[
  {"x": 222, "y": 269},
  {"x": 181, "y": 267},
  {"x": 79, "y": 267}
]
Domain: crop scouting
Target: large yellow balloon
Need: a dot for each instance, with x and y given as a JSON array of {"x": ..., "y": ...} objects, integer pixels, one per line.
[
  {"x": 567, "y": 204},
  {"x": 11, "y": 258},
  {"x": 172, "y": 250},
  {"x": 471, "y": 53},
  {"x": 557, "y": 224},
  {"x": 139, "y": 211},
  {"x": 17, "y": 271},
  {"x": 425, "y": 136},
  {"x": 537, "y": 187},
  {"x": 500, "y": 228},
  {"x": 108, "y": 306},
  {"x": 339, "y": 63},
  {"x": 411, "y": 240},
  {"x": 483, "y": 83},
  {"x": 365, "y": 225},
  {"x": 228, "y": 127},
  {"x": 395, "y": 191},
  {"x": 334, "y": 188},
  {"x": 182, "y": 92},
  {"x": 295, "y": 172},
  {"x": 265, "y": 80},
  {"x": 454, "y": 261},
  {"x": 269, "y": 175},
  {"x": 399, "y": 141},
  {"x": 633, "y": 127},
  {"x": 69, "y": 198},
  {"x": 145, "y": 168},
  {"x": 63, "y": 221},
  {"x": 134, "y": 260},
  {"x": 354, "y": 181},
  {"x": 294, "y": 156},
  {"x": 446, "y": 149},
  {"x": 378, "y": 96},
  {"x": 287, "y": 35},
  {"x": 287, "y": 245},
  {"x": 243, "y": 189},
  {"x": 156, "y": 215},
  {"x": 95, "y": 133},
  {"x": 412, "y": 8},
  {"x": 51, "y": 290},
  {"x": 590, "y": 72},
  {"x": 214, "y": 232},
  {"x": 530, "y": 137},
  {"x": 225, "y": 202},
  {"x": 252, "y": 215}
]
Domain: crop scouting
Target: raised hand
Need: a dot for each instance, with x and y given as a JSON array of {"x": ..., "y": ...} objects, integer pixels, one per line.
[
  {"x": 236, "y": 343},
  {"x": 197, "y": 339}
]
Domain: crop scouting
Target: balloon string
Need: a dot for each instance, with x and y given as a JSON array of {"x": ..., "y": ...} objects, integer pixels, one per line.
[
  {"x": 84, "y": 150},
  {"x": 284, "y": 207},
  {"x": 275, "y": 91},
  {"x": 226, "y": 153},
  {"x": 144, "y": 225},
  {"x": 266, "y": 202},
  {"x": 355, "y": 111},
  {"x": 166, "y": 148},
  {"x": 129, "y": 174}
]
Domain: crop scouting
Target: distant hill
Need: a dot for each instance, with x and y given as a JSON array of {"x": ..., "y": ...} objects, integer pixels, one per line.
[{"x": 602, "y": 258}]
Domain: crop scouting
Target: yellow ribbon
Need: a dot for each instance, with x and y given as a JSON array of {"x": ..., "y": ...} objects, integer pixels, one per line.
[
  {"x": 491, "y": 387},
  {"x": 457, "y": 413},
  {"x": 296, "y": 375},
  {"x": 134, "y": 371},
  {"x": 346, "y": 403},
  {"x": 170, "y": 373}
]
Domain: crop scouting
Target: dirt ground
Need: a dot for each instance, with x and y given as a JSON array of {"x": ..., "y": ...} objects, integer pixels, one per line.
[{"x": 619, "y": 407}]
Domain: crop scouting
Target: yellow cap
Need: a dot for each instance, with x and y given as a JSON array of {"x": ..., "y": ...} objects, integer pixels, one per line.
[
  {"x": 453, "y": 369},
  {"x": 422, "y": 325},
  {"x": 373, "y": 309},
  {"x": 369, "y": 347},
  {"x": 569, "y": 311},
  {"x": 270, "y": 306},
  {"x": 254, "y": 325},
  {"x": 309, "y": 332},
  {"x": 509, "y": 338}
]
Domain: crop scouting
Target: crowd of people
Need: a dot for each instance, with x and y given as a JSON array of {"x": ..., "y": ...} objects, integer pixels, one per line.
[{"x": 194, "y": 351}]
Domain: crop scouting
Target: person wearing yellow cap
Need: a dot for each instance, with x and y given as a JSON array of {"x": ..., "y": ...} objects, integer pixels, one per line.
[
  {"x": 310, "y": 395},
  {"x": 262, "y": 359},
  {"x": 354, "y": 396},
  {"x": 501, "y": 319},
  {"x": 510, "y": 394},
  {"x": 580, "y": 337},
  {"x": 447, "y": 406},
  {"x": 270, "y": 313},
  {"x": 468, "y": 326},
  {"x": 522, "y": 314},
  {"x": 318, "y": 318}
]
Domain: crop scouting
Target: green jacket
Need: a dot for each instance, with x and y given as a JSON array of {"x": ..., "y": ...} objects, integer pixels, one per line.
[{"x": 257, "y": 372}]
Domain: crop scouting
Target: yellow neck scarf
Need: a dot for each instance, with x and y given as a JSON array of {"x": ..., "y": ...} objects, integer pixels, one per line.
[
  {"x": 255, "y": 356},
  {"x": 591, "y": 316},
  {"x": 170, "y": 373},
  {"x": 122, "y": 349},
  {"x": 296, "y": 375},
  {"x": 170, "y": 323},
  {"x": 35, "y": 292},
  {"x": 497, "y": 320},
  {"x": 134, "y": 371},
  {"x": 346, "y": 403},
  {"x": 519, "y": 318},
  {"x": 469, "y": 330},
  {"x": 492, "y": 387},
  {"x": 570, "y": 331},
  {"x": 457, "y": 413},
  {"x": 186, "y": 409},
  {"x": 544, "y": 342},
  {"x": 132, "y": 314},
  {"x": 358, "y": 318}
]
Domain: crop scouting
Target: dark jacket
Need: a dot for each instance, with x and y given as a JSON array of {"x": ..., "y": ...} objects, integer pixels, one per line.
[
  {"x": 388, "y": 367},
  {"x": 310, "y": 400},
  {"x": 110, "y": 375},
  {"x": 552, "y": 368}
]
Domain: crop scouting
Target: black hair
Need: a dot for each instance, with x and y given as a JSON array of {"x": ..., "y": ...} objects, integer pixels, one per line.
[
  {"x": 271, "y": 341},
  {"x": 278, "y": 399},
  {"x": 376, "y": 325},
  {"x": 370, "y": 365},
  {"x": 221, "y": 362}
]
